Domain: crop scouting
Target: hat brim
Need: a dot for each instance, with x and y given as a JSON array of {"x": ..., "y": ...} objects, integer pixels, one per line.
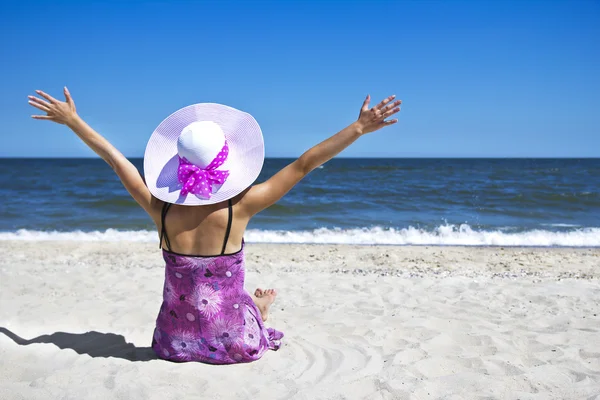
[{"x": 244, "y": 162}]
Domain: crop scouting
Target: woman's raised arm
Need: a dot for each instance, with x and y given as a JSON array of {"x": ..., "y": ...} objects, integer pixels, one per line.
[
  {"x": 66, "y": 114},
  {"x": 261, "y": 196}
]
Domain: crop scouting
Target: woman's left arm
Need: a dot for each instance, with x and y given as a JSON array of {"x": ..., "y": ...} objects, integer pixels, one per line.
[{"x": 66, "y": 114}]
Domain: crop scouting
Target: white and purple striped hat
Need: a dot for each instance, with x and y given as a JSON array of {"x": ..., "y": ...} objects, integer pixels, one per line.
[{"x": 203, "y": 154}]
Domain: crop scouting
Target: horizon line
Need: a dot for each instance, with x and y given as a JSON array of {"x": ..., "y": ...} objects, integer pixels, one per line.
[{"x": 337, "y": 158}]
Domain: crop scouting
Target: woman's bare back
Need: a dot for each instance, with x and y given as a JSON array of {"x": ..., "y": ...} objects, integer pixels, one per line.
[{"x": 202, "y": 231}]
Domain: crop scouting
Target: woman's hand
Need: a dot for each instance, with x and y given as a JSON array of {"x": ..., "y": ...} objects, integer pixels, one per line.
[
  {"x": 57, "y": 111},
  {"x": 370, "y": 120}
]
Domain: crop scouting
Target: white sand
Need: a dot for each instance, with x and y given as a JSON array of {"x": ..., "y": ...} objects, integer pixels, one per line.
[{"x": 360, "y": 322}]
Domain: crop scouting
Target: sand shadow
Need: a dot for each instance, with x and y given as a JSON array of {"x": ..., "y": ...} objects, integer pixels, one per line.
[{"x": 94, "y": 344}]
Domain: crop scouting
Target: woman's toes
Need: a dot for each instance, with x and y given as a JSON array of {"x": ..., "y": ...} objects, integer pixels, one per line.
[{"x": 258, "y": 292}]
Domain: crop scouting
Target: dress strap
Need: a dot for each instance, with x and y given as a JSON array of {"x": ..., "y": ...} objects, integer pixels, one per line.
[
  {"x": 163, "y": 229},
  {"x": 228, "y": 227}
]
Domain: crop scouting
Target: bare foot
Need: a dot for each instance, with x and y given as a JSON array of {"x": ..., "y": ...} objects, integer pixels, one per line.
[{"x": 264, "y": 299}]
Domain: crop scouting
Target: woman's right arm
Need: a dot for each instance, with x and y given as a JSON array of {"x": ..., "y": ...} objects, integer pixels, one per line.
[
  {"x": 66, "y": 114},
  {"x": 261, "y": 196}
]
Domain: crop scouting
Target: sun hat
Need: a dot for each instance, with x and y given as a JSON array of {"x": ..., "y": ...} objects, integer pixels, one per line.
[{"x": 203, "y": 154}]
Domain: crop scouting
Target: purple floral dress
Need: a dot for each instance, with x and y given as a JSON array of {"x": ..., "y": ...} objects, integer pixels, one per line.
[{"x": 206, "y": 314}]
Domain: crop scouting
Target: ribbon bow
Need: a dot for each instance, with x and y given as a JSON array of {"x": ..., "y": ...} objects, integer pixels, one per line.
[{"x": 200, "y": 181}]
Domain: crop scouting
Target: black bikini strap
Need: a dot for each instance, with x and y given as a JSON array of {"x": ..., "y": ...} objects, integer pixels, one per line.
[
  {"x": 228, "y": 227},
  {"x": 163, "y": 230}
]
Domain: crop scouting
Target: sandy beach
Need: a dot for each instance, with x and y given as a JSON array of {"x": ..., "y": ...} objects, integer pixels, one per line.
[{"x": 361, "y": 322}]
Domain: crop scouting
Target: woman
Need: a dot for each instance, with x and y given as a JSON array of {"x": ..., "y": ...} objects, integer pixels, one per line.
[{"x": 199, "y": 167}]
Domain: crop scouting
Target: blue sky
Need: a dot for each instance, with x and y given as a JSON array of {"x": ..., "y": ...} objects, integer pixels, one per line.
[{"x": 477, "y": 78}]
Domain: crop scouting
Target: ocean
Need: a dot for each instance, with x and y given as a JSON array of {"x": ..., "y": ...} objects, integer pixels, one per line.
[{"x": 484, "y": 202}]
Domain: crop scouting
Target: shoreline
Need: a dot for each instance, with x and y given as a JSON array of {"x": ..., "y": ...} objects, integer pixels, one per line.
[{"x": 442, "y": 236}]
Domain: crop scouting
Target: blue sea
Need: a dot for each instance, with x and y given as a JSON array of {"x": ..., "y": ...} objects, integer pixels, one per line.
[{"x": 484, "y": 202}]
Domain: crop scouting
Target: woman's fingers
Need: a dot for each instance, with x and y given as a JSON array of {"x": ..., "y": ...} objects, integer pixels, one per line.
[
  {"x": 41, "y": 117},
  {"x": 68, "y": 96},
  {"x": 384, "y": 102},
  {"x": 39, "y": 101},
  {"x": 365, "y": 105},
  {"x": 391, "y": 105},
  {"x": 47, "y": 96},
  {"x": 41, "y": 106},
  {"x": 390, "y": 112},
  {"x": 390, "y": 122}
]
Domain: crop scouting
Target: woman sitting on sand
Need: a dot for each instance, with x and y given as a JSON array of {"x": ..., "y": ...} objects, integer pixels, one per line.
[{"x": 209, "y": 155}]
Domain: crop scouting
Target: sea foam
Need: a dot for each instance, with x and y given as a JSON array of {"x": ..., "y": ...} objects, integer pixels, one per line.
[{"x": 461, "y": 235}]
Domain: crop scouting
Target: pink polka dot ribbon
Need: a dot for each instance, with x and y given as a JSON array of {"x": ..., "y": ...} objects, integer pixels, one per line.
[{"x": 200, "y": 181}]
